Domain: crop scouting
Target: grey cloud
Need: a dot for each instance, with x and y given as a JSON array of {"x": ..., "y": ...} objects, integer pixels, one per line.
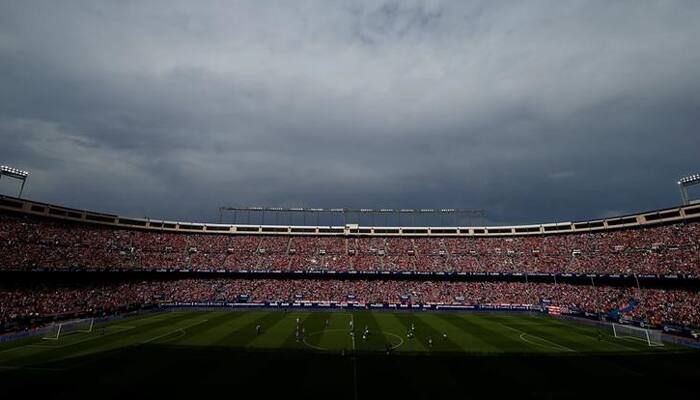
[{"x": 538, "y": 111}]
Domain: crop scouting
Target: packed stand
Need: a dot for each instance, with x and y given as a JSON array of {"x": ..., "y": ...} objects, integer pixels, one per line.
[
  {"x": 28, "y": 242},
  {"x": 27, "y": 302}
]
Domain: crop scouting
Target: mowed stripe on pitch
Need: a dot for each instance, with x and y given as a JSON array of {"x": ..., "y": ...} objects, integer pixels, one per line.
[
  {"x": 244, "y": 331},
  {"x": 336, "y": 336},
  {"x": 309, "y": 325},
  {"x": 479, "y": 333},
  {"x": 156, "y": 324},
  {"x": 376, "y": 340},
  {"x": 435, "y": 333},
  {"x": 464, "y": 339},
  {"x": 483, "y": 336},
  {"x": 281, "y": 334},
  {"x": 209, "y": 333},
  {"x": 533, "y": 332},
  {"x": 609, "y": 342},
  {"x": 404, "y": 321},
  {"x": 470, "y": 336}
]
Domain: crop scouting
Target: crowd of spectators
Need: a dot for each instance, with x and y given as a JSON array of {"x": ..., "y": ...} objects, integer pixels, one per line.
[
  {"x": 19, "y": 302},
  {"x": 29, "y": 242}
]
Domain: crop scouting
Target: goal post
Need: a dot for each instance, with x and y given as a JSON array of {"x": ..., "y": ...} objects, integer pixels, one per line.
[
  {"x": 651, "y": 336},
  {"x": 61, "y": 329}
]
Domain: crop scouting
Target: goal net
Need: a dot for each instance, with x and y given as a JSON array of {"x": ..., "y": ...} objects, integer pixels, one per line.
[
  {"x": 60, "y": 329},
  {"x": 651, "y": 336}
]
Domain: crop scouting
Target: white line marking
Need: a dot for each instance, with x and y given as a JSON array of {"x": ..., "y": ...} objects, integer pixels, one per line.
[
  {"x": 639, "y": 339},
  {"x": 396, "y": 336},
  {"x": 93, "y": 336},
  {"x": 43, "y": 346},
  {"x": 352, "y": 334},
  {"x": 535, "y": 336},
  {"x": 182, "y": 333},
  {"x": 13, "y": 349},
  {"x": 400, "y": 343},
  {"x": 313, "y": 346},
  {"x": 524, "y": 339},
  {"x": 175, "y": 331},
  {"x": 584, "y": 332},
  {"x": 317, "y": 333}
]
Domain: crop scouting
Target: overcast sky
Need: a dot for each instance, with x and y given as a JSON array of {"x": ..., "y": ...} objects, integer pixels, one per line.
[{"x": 535, "y": 111}]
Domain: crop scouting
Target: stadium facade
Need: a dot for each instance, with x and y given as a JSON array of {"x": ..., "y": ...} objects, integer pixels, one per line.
[{"x": 687, "y": 213}]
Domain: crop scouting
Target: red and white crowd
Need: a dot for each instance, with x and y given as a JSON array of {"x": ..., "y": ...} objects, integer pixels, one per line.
[
  {"x": 29, "y": 242},
  {"x": 20, "y": 302}
]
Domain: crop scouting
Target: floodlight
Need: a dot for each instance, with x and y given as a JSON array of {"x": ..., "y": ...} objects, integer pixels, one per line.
[
  {"x": 14, "y": 173},
  {"x": 10, "y": 171},
  {"x": 683, "y": 184}
]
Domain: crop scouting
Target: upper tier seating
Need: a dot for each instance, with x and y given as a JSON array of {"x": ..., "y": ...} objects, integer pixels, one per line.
[{"x": 28, "y": 242}]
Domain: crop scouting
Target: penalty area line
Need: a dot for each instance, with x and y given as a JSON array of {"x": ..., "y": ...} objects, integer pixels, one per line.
[
  {"x": 93, "y": 336},
  {"x": 523, "y": 333},
  {"x": 585, "y": 331},
  {"x": 524, "y": 339},
  {"x": 13, "y": 349},
  {"x": 175, "y": 331}
]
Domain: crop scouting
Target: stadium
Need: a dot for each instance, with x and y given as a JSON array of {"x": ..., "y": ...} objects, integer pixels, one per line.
[
  {"x": 349, "y": 199},
  {"x": 345, "y": 304}
]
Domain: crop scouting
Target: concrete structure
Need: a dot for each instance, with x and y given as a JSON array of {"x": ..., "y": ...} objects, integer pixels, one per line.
[{"x": 643, "y": 219}]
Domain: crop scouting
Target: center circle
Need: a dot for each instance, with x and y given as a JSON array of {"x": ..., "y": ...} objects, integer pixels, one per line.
[{"x": 394, "y": 345}]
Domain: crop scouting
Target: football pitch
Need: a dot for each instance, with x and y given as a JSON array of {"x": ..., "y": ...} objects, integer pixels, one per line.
[{"x": 344, "y": 355}]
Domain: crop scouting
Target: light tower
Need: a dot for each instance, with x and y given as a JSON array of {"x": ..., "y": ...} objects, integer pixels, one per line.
[
  {"x": 683, "y": 185},
  {"x": 14, "y": 173}
]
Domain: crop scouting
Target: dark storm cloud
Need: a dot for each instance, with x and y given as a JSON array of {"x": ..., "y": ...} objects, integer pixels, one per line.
[{"x": 536, "y": 112}]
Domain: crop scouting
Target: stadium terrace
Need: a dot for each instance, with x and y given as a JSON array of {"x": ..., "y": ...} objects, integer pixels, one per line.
[
  {"x": 640, "y": 265},
  {"x": 94, "y": 282},
  {"x": 649, "y": 245}
]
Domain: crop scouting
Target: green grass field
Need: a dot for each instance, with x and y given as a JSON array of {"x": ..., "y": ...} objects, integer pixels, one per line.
[{"x": 481, "y": 352}]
